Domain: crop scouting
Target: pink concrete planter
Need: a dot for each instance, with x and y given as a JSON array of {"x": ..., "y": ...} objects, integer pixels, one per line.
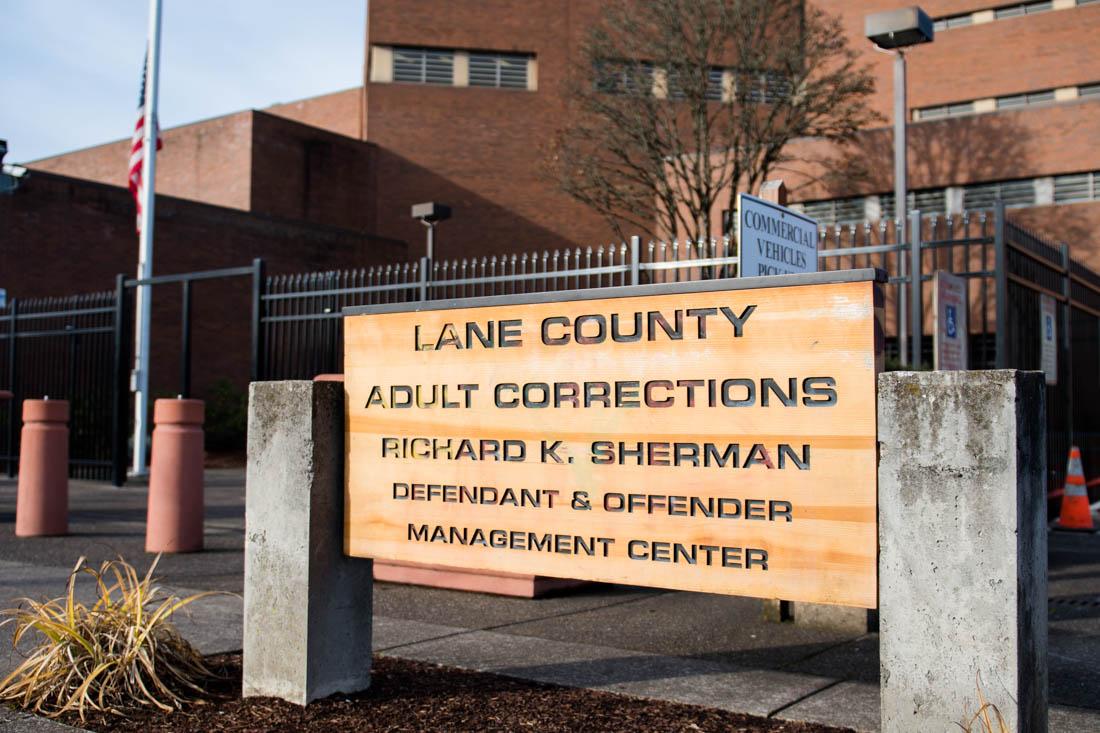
[
  {"x": 42, "y": 499},
  {"x": 175, "y": 477}
]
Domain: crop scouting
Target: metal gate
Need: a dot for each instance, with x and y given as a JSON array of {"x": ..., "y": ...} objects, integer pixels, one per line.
[{"x": 66, "y": 348}]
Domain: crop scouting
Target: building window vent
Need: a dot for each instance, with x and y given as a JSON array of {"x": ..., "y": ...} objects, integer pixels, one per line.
[
  {"x": 423, "y": 66},
  {"x": 1014, "y": 11},
  {"x": 1089, "y": 90},
  {"x": 1025, "y": 100},
  {"x": 714, "y": 85},
  {"x": 624, "y": 77},
  {"x": 1075, "y": 187},
  {"x": 955, "y": 21},
  {"x": 982, "y": 196},
  {"x": 498, "y": 70},
  {"x": 955, "y": 109},
  {"x": 928, "y": 201},
  {"x": 766, "y": 87},
  {"x": 836, "y": 211}
]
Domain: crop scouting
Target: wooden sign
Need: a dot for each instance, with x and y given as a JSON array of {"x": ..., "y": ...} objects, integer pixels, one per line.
[{"x": 711, "y": 436}]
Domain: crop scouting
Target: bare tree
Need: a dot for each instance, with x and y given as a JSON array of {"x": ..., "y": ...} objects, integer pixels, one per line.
[{"x": 676, "y": 104}]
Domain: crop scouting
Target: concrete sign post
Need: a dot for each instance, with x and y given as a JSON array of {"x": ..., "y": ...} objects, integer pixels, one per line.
[
  {"x": 963, "y": 548},
  {"x": 1048, "y": 338},
  {"x": 774, "y": 240},
  {"x": 577, "y": 435},
  {"x": 950, "y": 307},
  {"x": 307, "y": 608}
]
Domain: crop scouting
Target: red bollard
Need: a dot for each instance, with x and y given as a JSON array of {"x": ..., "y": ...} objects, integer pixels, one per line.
[
  {"x": 175, "y": 478},
  {"x": 42, "y": 499}
]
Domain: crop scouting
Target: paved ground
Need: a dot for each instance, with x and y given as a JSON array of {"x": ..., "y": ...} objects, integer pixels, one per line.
[{"x": 696, "y": 648}]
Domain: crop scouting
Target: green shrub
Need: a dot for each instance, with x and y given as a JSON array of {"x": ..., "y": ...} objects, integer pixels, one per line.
[{"x": 226, "y": 417}]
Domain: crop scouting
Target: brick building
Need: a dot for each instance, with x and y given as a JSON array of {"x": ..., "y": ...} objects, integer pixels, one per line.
[{"x": 459, "y": 102}]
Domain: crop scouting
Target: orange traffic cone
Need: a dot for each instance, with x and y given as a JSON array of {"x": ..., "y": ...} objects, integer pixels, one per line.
[{"x": 1076, "y": 513}]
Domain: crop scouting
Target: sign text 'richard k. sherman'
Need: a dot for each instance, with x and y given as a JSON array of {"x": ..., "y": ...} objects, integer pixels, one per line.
[{"x": 715, "y": 438}]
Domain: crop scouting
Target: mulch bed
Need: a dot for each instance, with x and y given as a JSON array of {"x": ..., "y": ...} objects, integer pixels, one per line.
[{"x": 413, "y": 696}]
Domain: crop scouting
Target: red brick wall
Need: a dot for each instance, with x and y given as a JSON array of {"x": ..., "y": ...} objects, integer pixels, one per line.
[
  {"x": 302, "y": 172},
  {"x": 1009, "y": 56},
  {"x": 252, "y": 161},
  {"x": 340, "y": 112},
  {"x": 205, "y": 161},
  {"x": 63, "y": 236},
  {"x": 479, "y": 150},
  {"x": 998, "y": 146}
]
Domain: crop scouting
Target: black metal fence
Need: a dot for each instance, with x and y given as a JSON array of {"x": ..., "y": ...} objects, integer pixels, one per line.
[
  {"x": 79, "y": 348},
  {"x": 1007, "y": 269},
  {"x": 64, "y": 348}
]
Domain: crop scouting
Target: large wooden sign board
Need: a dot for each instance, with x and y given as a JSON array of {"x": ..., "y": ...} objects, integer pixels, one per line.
[{"x": 711, "y": 436}]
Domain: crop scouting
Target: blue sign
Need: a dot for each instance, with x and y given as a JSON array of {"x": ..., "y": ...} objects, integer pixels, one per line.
[{"x": 952, "y": 322}]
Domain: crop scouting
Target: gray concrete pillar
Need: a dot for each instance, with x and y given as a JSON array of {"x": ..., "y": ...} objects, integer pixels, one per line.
[
  {"x": 307, "y": 607},
  {"x": 962, "y": 548}
]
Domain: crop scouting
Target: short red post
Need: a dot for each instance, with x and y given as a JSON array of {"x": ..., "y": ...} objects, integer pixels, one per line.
[
  {"x": 42, "y": 499},
  {"x": 175, "y": 477}
]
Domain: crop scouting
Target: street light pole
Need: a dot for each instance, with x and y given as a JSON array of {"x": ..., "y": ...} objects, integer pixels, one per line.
[
  {"x": 901, "y": 194},
  {"x": 895, "y": 30}
]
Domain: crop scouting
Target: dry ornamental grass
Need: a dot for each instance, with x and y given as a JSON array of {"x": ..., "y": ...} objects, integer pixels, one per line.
[{"x": 120, "y": 652}]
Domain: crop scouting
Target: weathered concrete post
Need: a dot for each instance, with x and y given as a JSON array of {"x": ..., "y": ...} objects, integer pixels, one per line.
[
  {"x": 962, "y": 548},
  {"x": 307, "y": 607}
]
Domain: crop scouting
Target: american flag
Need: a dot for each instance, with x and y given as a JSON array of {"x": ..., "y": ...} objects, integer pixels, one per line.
[{"x": 137, "y": 151}]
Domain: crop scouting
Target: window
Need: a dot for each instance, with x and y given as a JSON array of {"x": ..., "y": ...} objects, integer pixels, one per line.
[
  {"x": 498, "y": 70},
  {"x": 1012, "y": 193},
  {"x": 714, "y": 85},
  {"x": 1089, "y": 90},
  {"x": 836, "y": 211},
  {"x": 1014, "y": 11},
  {"x": 624, "y": 77},
  {"x": 955, "y": 109},
  {"x": 423, "y": 66},
  {"x": 1014, "y": 101},
  {"x": 928, "y": 201},
  {"x": 954, "y": 21},
  {"x": 1075, "y": 187},
  {"x": 764, "y": 87}
]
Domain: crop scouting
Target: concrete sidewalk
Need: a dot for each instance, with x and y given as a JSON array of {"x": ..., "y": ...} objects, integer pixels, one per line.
[{"x": 694, "y": 648}]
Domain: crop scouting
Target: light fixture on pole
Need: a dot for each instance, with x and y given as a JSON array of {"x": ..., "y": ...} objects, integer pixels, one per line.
[
  {"x": 429, "y": 214},
  {"x": 895, "y": 30}
]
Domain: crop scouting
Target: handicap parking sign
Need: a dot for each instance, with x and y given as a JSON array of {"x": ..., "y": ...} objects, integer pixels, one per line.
[{"x": 952, "y": 323}]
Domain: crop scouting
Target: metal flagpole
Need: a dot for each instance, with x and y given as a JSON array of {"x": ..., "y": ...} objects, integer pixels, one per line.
[{"x": 143, "y": 299}]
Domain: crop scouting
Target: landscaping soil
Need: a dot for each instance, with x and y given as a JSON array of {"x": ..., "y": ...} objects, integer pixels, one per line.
[{"x": 413, "y": 696}]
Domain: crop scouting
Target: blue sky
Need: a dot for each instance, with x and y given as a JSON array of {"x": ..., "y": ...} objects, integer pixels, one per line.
[{"x": 71, "y": 69}]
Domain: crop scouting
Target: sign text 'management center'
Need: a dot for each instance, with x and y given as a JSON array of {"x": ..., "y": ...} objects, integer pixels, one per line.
[{"x": 720, "y": 440}]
